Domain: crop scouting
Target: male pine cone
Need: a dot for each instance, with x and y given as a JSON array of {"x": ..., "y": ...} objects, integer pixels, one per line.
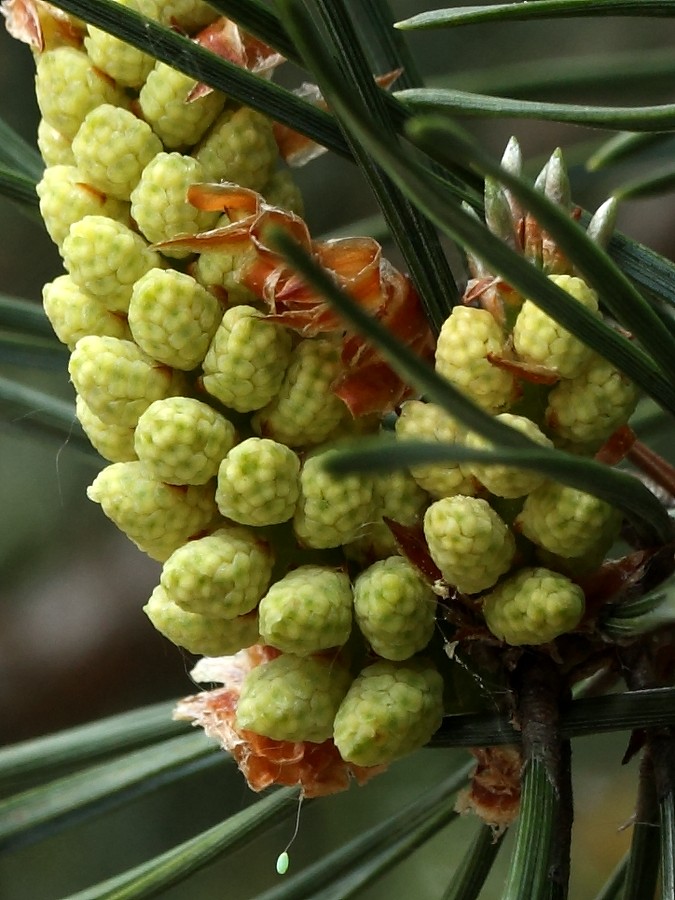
[{"x": 208, "y": 410}]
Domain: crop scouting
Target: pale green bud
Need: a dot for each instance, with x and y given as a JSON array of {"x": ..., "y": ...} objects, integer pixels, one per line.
[
  {"x": 106, "y": 258},
  {"x": 114, "y": 442},
  {"x": 507, "y": 481},
  {"x": 394, "y": 608},
  {"x": 305, "y": 410},
  {"x": 172, "y": 318},
  {"x": 308, "y": 610},
  {"x": 258, "y": 483},
  {"x": 390, "y": 710},
  {"x": 182, "y": 441},
  {"x": 469, "y": 542},
  {"x": 157, "y": 517},
  {"x": 534, "y": 606},
  {"x": 68, "y": 86},
  {"x": 240, "y": 148},
  {"x": 159, "y": 202},
  {"x": 332, "y": 510},
  {"x": 111, "y": 149},
  {"x": 541, "y": 340},
  {"x": 66, "y": 198},
  {"x": 199, "y": 634},
  {"x": 128, "y": 65},
  {"x": 164, "y": 104},
  {"x": 221, "y": 575},
  {"x": 246, "y": 360},
  {"x": 586, "y": 410},
  {"x": 566, "y": 521},
  {"x": 292, "y": 698},
  {"x": 117, "y": 381},
  {"x": 74, "y": 313},
  {"x": 428, "y": 422},
  {"x": 467, "y": 337}
]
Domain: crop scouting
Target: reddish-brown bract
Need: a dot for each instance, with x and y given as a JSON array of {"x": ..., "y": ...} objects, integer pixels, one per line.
[
  {"x": 317, "y": 769},
  {"x": 367, "y": 384}
]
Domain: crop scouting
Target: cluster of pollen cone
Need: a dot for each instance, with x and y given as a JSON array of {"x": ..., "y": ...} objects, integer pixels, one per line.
[{"x": 216, "y": 382}]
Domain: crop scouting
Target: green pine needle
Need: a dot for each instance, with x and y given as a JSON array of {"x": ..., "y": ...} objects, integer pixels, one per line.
[
  {"x": 44, "y": 810},
  {"x": 468, "y": 880},
  {"x": 538, "y": 9},
  {"x": 40, "y": 757},
  {"x": 528, "y": 872},
  {"x": 151, "y": 878},
  {"x": 452, "y": 102}
]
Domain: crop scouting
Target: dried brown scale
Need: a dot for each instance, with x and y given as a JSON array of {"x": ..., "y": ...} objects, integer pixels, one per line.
[{"x": 494, "y": 792}]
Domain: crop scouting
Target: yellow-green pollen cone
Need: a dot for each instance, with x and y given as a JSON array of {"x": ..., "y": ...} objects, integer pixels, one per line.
[{"x": 534, "y": 606}]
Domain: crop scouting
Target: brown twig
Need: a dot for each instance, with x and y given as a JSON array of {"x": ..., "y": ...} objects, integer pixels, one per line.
[
  {"x": 653, "y": 465},
  {"x": 649, "y": 664},
  {"x": 539, "y": 689}
]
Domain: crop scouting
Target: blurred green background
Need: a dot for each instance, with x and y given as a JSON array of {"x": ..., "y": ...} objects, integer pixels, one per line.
[{"x": 74, "y": 644}]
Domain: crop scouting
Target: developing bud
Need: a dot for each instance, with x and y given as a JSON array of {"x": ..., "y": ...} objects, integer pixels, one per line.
[
  {"x": 106, "y": 258},
  {"x": 397, "y": 496},
  {"x": 159, "y": 205},
  {"x": 55, "y": 149},
  {"x": 283, "y": 192},
  {"x": 466, "y": 338},
  {"x": 240, "y": 148},
  {"x": 258, "y": 483},
  {"x": 426, "y": 421},
  {"x": 66, "y": 198},
  {"x": 157, "y": 517},
  {"x": 469, "y": 542},
  {"x": 199, "y": 634},
  {"x": 182, "y": 441},
  {"x": 188, "y": 15},
  {"x": 586, "y": 410},
  {"x": 292, "y": 698},
  {"x": 533, "y": 606},
  {"x": 172, "y": 318},
  {"x": 331, "y": 510},
  {"x": 74, "y": 313},
  {"x": 507, "y": 481},
  {"x": 117, "y": 381},
  {"x": 111, "y": 149},
  {"x": 246, "y": 361},
  {"x": 394, "y": 608},
  {"x": 566, "y": 521},
  {"x": 308, "y": 610},
  {"x": 68, "y": 86},
  {"x": 114, "y": 442},
  {"x": 219, "y": 270},
  {"x": 164, "y": 104},
  {"x": 222, "y": 575},
  {"x": 390, "y": 710},
  {"x": 128, "y": 65},
  {"x": 539, "y": 339},
  {"x": 305, "y": 410}
]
